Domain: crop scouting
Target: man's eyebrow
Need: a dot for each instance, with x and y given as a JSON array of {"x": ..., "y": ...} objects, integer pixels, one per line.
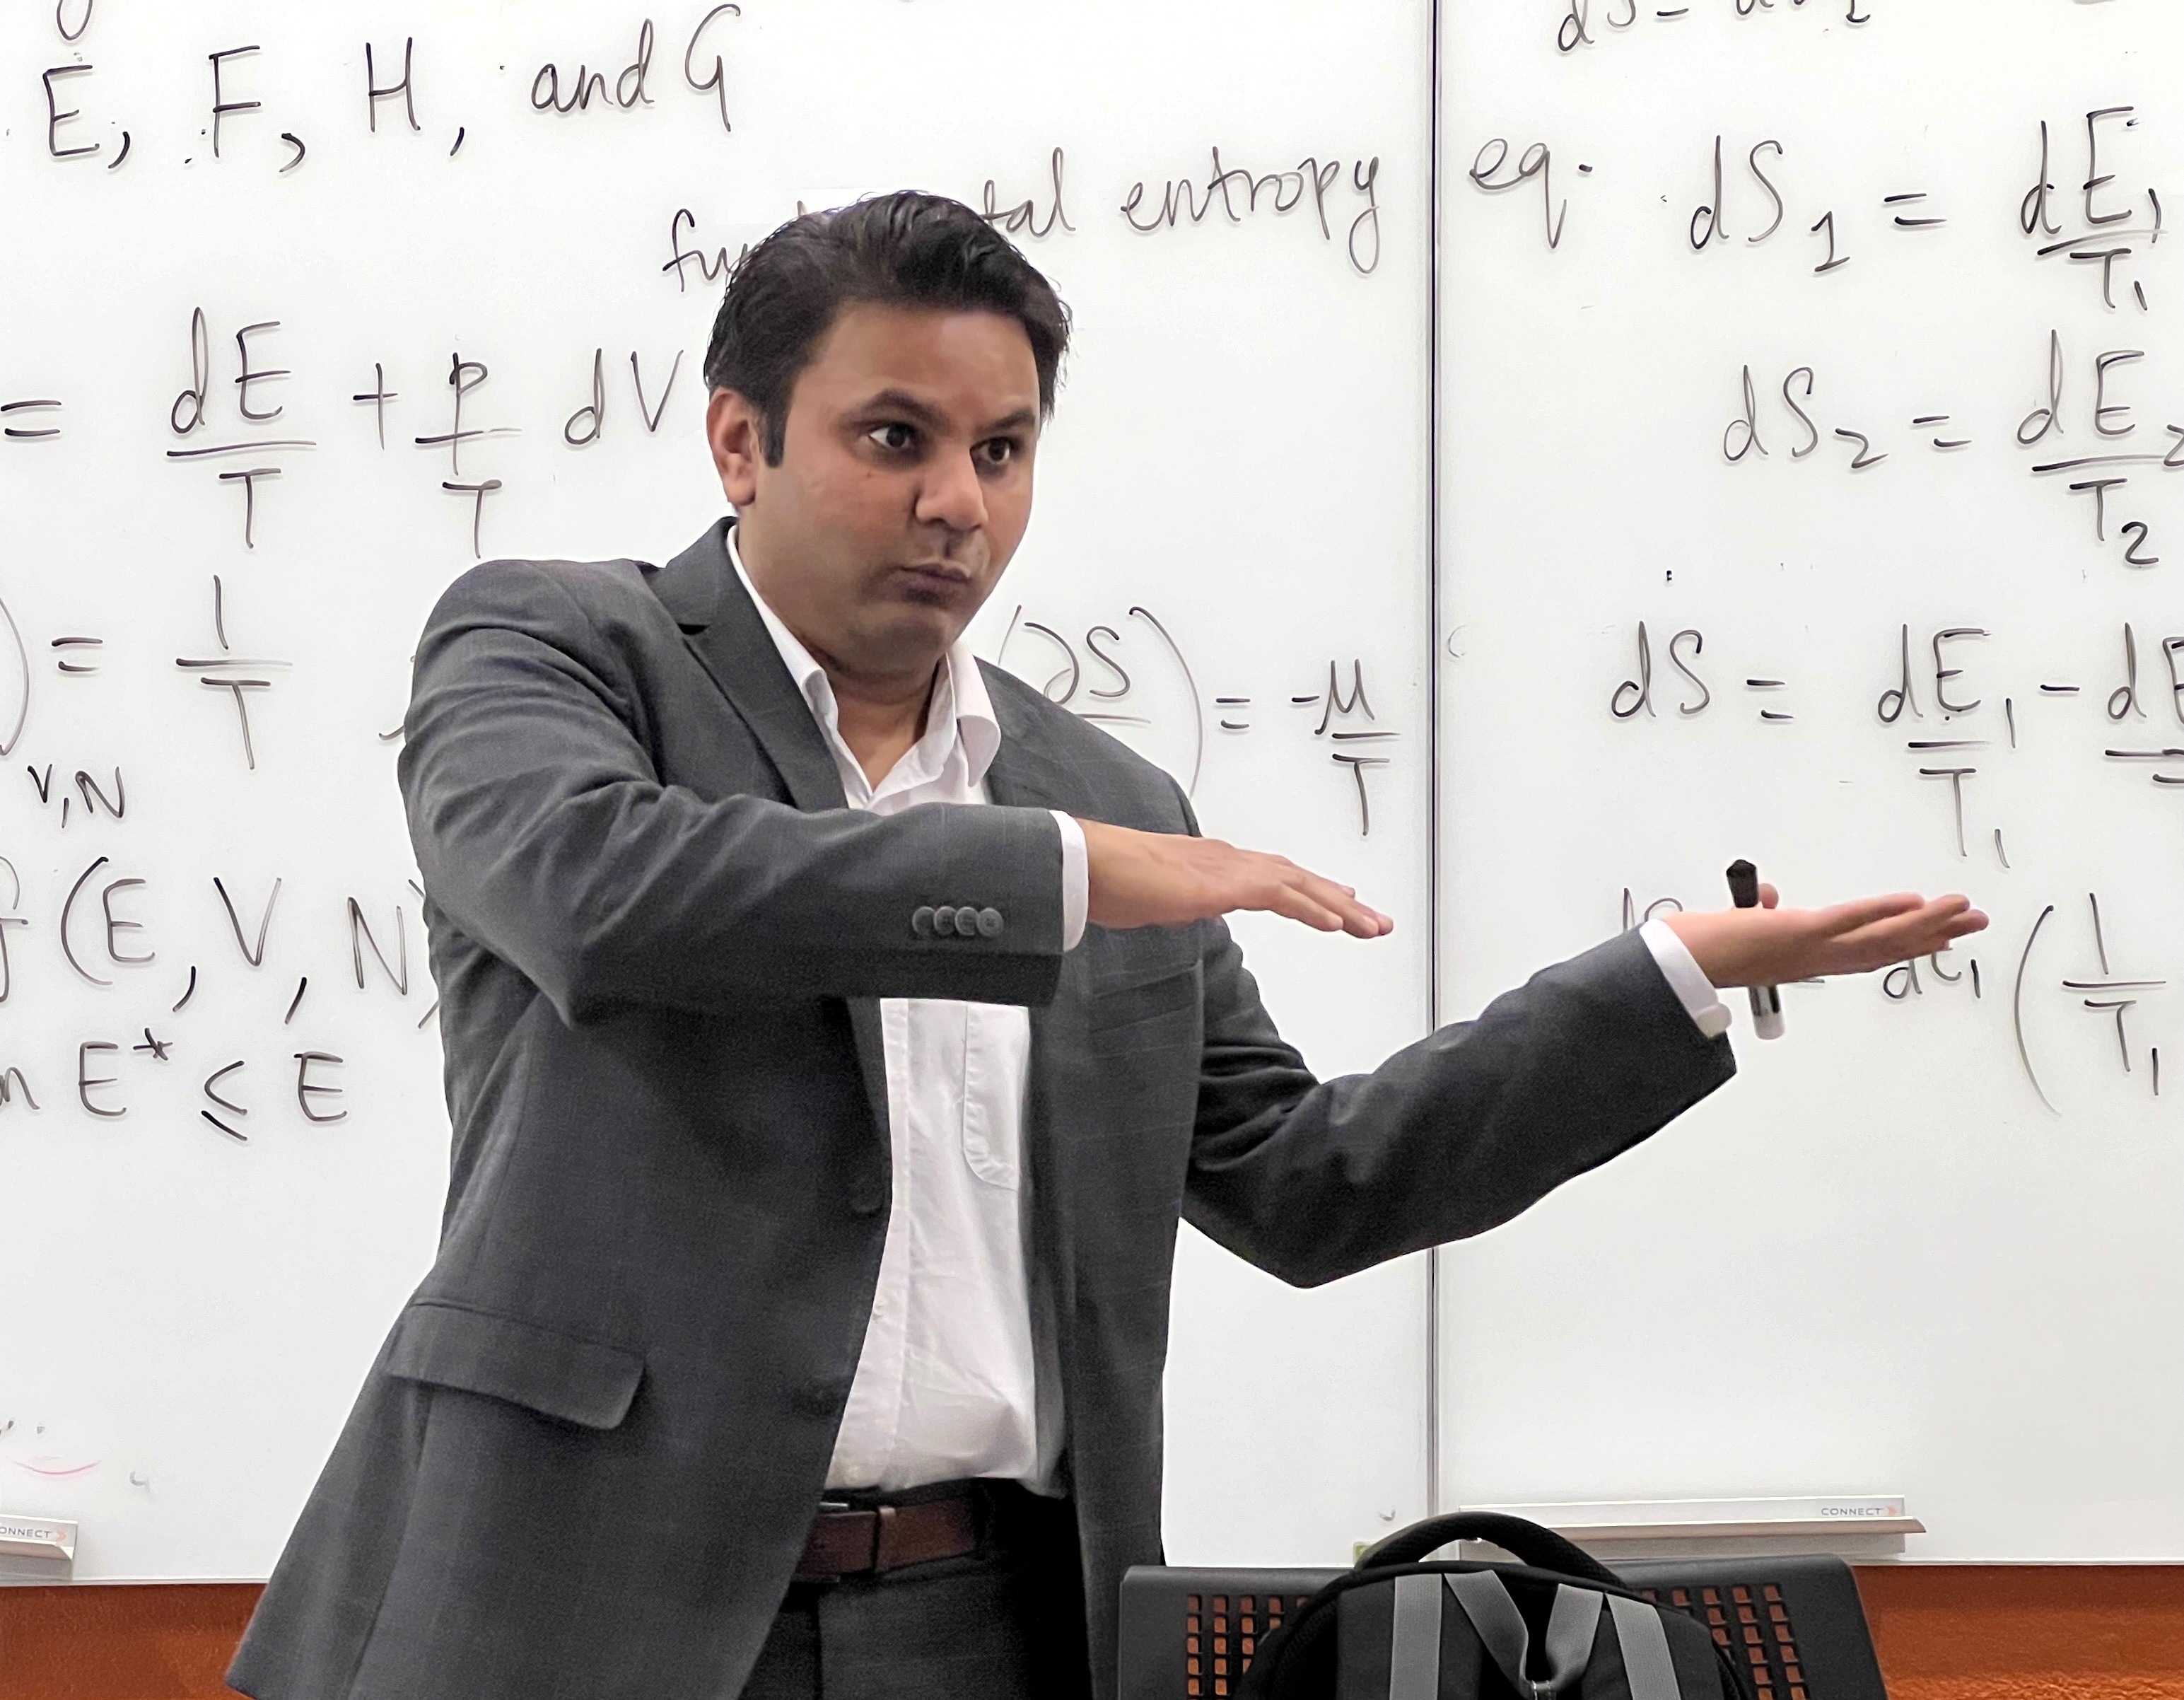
[{"x": 902, "y": 401}]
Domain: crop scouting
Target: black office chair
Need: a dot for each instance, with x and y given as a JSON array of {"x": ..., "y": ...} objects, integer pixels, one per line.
[
  {"x": 1795, "y": 1625},
  {"x": 1188, "y": 1635}
]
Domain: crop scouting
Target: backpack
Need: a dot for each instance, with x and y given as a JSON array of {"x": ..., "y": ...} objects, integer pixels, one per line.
[{"x": 1560, "y": 1626}]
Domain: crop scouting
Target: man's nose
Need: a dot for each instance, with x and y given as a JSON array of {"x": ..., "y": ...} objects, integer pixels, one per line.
[{"x": 952, "y": 494}]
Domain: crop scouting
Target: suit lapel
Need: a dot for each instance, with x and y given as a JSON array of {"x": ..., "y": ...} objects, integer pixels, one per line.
[
  {"x": 1025, "y": 775},
  {"x": 722, "y": 626}
]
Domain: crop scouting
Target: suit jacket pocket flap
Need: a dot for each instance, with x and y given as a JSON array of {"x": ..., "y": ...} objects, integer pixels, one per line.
[
  {"x": 505, "y": 1358},
  {"x": 1169, "y": 994}
]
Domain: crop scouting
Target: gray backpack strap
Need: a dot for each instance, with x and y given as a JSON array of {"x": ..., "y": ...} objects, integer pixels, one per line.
[
  {"x": 1500, "y": 1625},
  {"x": 1645, "y": 1643},
  {"x": 1571, "y": 1627},
  {"x": 1414, "y": 1656}
]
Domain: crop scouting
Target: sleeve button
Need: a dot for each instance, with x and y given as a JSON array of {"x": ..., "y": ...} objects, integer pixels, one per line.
[
  {"x": 989, "y": 923},
  {"x": 943, "y": 922},
  {"x": 921, "y": 921}
]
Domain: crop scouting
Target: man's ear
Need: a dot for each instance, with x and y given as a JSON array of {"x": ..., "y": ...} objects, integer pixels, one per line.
[{"x": 734, "y": 432}]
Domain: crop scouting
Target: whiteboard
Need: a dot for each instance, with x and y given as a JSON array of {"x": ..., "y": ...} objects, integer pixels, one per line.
[
  {"x": 1241, "y": 453},
  {"x": 1899, "y": 1254}
]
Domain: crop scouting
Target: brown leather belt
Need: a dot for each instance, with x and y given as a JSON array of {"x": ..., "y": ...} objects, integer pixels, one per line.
[{"x": 871, "y": 1541}]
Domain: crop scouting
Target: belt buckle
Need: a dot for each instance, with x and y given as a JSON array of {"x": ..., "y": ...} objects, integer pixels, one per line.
[
  {"x": 837, "y": 1512},
  {"x": 884, "y": 1557}
]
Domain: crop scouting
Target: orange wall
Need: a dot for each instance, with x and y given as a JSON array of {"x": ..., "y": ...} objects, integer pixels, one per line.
[
  {"x": 93, "y": 1643},
  {"x": 1974, "y": 1633},
  {"x": 2038, "y": 1632}
]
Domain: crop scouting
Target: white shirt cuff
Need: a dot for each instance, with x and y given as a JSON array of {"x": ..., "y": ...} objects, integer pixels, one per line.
[
  {"x": 1701, "y": 1001},
  {"x": 1076, "y": 883}
]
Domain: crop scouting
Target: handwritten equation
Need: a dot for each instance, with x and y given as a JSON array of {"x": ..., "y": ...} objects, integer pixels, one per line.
[
  {"x": 229, "y": 414},
  {"x": 2099, "y": 221},
  {"x": 1930, "y": 682},
  {"x": 2093, "y": 424},
  {"x": 235, "y": 412},
  {"x": 105, "y": 945},
  {"x": 1927, "y": 697},
  {"x": 1587, "y": 23},
  {"x": 1095, "y": 680}
]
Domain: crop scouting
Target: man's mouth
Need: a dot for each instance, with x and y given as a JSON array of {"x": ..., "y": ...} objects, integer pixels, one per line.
[{"x": 939, "y": 574}]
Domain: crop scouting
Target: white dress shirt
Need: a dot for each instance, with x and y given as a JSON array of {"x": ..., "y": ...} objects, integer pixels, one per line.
[{"x": 944, "y": 1385}]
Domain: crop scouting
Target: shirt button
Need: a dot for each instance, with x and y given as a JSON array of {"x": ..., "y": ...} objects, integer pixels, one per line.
[
  {"x": 989, "y": 923},
  {"x": 921, "y": 921}
]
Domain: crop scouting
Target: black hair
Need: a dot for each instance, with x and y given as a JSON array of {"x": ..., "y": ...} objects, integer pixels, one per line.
[{"x": 905, "y": 249}]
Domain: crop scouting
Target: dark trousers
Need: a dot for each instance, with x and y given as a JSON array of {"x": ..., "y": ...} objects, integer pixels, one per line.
[{"x": 1005, "y": 1623}]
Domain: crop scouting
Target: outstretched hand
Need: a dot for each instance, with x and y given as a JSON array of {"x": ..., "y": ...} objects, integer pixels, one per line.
[
  {"x": 1773, "y": 946},
  {"x": 1166, "y": 880}
]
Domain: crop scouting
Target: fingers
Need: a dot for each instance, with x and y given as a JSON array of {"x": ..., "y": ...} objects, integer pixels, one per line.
[
  {"x": 1742, "y": 947},
  {"x": 1161, "y": 879},
  {"x": 1932, "y": 924},
  {"x": 1234, "y": 878},
  {"x": 1864, "y": 911},
  {"x": 1288, "y": 900},
  {"x": 1912, "y": 917},
  {"x": 1955, "y": 917},
  {"x": 1359, "y": 920},
  {"x": 1918, "y": 932},
  {"x": 1338, "y": 904}
]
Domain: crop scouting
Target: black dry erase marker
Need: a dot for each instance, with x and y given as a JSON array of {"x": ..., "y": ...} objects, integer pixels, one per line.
[{"x": 1766, "y": 1001}]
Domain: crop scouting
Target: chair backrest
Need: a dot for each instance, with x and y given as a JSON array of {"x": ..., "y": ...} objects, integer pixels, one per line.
[
  {"x": 1188, "y": 1635},
  {"x": 1795, "y": 1625}
]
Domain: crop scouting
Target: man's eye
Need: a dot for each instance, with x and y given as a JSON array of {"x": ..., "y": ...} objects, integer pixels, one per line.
[
  {"x": 997, "y": 451},
  {"x": 895, "y": 439}
]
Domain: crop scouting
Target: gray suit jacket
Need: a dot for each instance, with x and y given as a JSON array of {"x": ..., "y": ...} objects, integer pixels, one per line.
[{"x": 584, "y": 1462}]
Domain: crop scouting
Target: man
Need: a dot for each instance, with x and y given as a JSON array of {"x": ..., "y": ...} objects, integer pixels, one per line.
[{"x": 836, "y": 1031}]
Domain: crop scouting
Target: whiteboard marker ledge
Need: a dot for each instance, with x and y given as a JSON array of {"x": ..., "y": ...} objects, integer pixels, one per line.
[
  {"x": 1703, "y": 1520},
  {"x": 37, "y": 1537}
]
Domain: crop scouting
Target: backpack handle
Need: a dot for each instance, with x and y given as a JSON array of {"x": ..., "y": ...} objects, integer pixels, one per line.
[{"x": 1541, "y": 1548}]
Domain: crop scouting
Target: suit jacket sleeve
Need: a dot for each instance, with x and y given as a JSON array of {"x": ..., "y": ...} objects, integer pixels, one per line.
[
  {"x": 1449, "y": 1137},
  {"x": 544, "y": 833}
]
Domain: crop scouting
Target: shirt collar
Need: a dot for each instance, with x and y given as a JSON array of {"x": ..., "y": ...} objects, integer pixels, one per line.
[{"x": 960, "y": 708}]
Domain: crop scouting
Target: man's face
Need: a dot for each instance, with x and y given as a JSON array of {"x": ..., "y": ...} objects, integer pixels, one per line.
[{"x": 904, "y": 488}]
